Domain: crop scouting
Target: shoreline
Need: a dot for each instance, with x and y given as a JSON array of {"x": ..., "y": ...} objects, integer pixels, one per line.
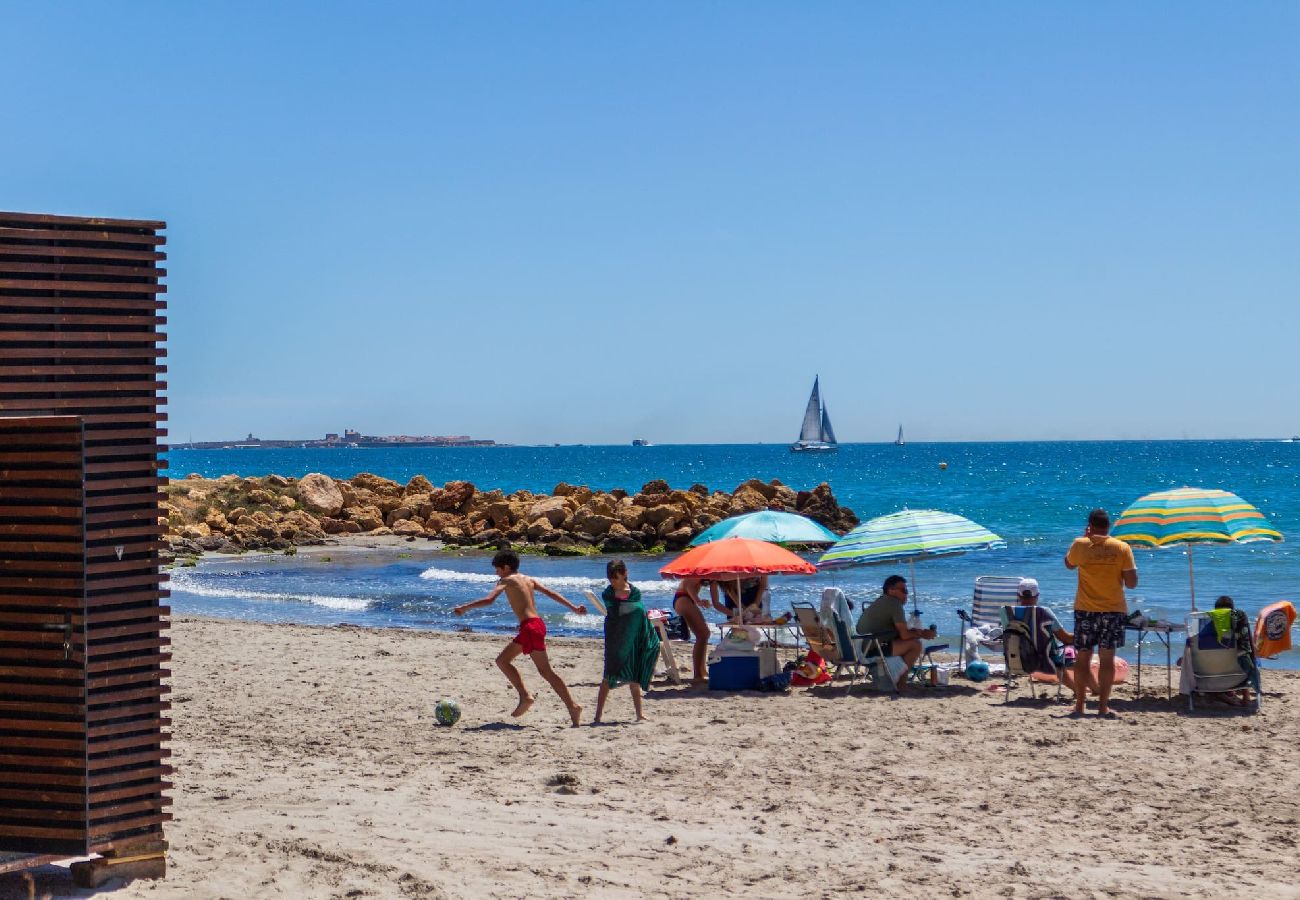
[{"x": 308, "y": 765}]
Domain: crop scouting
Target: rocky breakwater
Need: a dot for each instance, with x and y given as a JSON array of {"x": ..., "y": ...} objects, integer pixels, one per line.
[{"x": 233, "y": 514}]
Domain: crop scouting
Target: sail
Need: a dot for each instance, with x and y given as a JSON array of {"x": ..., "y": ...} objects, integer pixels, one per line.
[
  {"x": 812, "y": 417},
  {"x": 828, "y": 433}
]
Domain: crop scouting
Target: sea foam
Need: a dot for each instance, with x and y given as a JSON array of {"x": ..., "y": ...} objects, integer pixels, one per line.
[
  {"x": 560, "y": 583},
  {"x": 179, "y": 582}
]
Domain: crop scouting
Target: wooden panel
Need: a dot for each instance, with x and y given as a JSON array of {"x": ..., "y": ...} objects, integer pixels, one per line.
[
  {"x": 39, "y": 662},
  {"x": 81, "y": 312}
]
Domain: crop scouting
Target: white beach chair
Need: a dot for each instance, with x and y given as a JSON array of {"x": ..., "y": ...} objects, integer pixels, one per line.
[
  {"x": 1211, "y": 666},
  {"x": 992, "y": 592}
]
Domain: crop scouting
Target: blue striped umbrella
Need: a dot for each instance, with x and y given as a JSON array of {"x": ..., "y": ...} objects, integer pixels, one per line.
[
  {"x": 909, "y": 535},
  {"x": 1186, "y": 516},
  {"x": 769, "y": 525}
]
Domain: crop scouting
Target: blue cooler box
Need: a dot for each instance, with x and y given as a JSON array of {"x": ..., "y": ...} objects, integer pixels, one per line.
[{"x": 734, "y": 673}]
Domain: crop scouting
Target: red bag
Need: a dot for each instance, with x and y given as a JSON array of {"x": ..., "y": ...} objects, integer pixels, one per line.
[{"x": 811, "y": 671}]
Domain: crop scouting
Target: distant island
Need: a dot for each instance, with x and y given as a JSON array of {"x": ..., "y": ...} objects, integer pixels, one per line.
[{"x": 348, "y": 439}]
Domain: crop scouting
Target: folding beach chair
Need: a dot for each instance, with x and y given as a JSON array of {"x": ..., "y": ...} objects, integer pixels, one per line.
[
  {"x": 992, "y": 592},
  {"x": 818, "y": 635},
  {"x": 1029, "y": 647},
  {"x": 1214, "y": 666},
  {"x": 858, "y": 652}
]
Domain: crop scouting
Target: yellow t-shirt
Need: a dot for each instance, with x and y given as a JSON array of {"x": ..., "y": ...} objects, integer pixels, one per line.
[{"x": 1100, "y": 561}]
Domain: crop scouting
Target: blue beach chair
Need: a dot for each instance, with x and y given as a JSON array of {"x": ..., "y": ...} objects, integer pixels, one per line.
[{"x": 858, "y": 652}]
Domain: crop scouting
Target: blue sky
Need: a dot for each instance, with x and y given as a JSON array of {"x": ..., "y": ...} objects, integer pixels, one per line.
[{"x": 585, "y": 222}]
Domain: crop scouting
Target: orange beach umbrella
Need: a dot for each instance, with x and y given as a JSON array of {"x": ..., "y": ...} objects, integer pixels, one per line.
[{"x": 737, "y": 558}]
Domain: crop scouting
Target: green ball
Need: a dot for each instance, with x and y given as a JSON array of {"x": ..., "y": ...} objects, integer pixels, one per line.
[{"x": 447, "y": 712}]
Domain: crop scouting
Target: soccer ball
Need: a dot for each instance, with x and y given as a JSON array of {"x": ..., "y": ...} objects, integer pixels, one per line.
[
  {"x": 977, "y": 670},
  {"x": 447, "y": 712}
]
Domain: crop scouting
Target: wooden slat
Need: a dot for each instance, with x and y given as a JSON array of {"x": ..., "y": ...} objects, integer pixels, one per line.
[
  {"x": 9, "y": 369},
  {"x": 80, "y": 221},
  {"x": 92, "y": 253},
  {"x": 10, "y": 267},
  {"x": 56, "y": 354},
  {"x": 71, "y": 237},
  {"x": 103, "y": 287},
  {"x": 115, "y": 336}
]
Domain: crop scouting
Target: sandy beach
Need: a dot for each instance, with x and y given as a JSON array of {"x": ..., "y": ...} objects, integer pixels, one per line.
[{"x": 309, "y": 765}]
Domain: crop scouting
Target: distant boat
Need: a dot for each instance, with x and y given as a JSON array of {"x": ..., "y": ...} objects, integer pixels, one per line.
[
  {"x": 641, "y": 442},
  {"x": 816, "y": 435},
  {"x": 898, "y": 441}
]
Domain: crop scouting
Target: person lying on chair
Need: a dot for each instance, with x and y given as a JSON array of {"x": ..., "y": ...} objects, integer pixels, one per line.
[{"x": 888, "y": 614}]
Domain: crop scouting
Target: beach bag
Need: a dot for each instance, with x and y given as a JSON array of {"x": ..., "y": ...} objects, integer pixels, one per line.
[
  {"x": 885, "y": 672},
  {"x": 1022, "y": 655},
  {"x": 781, "y": 681},
  {"x": 809, "y": 670}
]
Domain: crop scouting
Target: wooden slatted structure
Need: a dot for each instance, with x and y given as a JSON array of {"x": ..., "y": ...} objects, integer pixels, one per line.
[{"x": 83, "y": 647}]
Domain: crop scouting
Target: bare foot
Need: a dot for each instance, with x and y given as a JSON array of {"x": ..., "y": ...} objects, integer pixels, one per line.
[
  {"x": 575, "y": 713},
  {"x": 523, "y": 707},
  {"x": 642, "y": 719}
]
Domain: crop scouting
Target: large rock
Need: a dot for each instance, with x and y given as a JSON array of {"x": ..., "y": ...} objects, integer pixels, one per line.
[
  {"x": 418, "y": 485},
  {"x": 454, "y": 496},
  {"x": 619, "y": 540},
  {"x": 678, "y": 539},
  {"x": 553, "y": 509},
  {"x": 384, "y": 487},
  {"x": 368, "y": 518},
  {"x": 400, "y": 514},
  {"x": 408, "y": 527},
  {"x": 819, "y": 504},
  {"x": 498, "y": 513},
  {"x": 320, "y": 494}
]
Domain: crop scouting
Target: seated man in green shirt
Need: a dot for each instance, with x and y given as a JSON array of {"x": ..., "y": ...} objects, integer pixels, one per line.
[{"x": 887, "y": 614}]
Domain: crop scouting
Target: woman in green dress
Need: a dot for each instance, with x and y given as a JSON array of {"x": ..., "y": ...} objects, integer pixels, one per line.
[{"x": 631, "y": 643}]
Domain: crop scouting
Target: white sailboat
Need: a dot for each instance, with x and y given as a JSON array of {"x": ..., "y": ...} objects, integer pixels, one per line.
[
  {"x": 816, "y": 434},
  {"x": 898, "y": 441}
]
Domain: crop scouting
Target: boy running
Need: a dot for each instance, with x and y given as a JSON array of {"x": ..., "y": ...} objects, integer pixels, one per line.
[{"x": 531, "y": 639}]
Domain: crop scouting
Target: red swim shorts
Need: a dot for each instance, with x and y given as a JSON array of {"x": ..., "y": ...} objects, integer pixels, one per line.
[{"x": 531, "y": 636}]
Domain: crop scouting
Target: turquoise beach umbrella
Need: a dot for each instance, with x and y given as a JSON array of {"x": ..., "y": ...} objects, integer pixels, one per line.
[
  {"x": 909, "y": 535},
  {"x": 768, "y": 525}
]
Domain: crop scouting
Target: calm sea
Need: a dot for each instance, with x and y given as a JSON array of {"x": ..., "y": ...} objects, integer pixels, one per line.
[{"x": 1034, "y": 494}]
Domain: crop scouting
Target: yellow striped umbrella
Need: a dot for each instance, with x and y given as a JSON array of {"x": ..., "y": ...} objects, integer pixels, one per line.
[{"x": 1187, "y": 516}]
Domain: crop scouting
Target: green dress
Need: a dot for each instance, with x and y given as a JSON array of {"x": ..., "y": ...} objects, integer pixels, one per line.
[{"x": 631, "y": 642}]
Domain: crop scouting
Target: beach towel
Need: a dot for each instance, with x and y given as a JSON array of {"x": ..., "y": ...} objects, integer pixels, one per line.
[
  {"x": 631, "y": 642},
  {"x": 1273, "y": 629}
]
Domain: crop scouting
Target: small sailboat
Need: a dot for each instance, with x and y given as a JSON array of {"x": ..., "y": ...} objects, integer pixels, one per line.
[
  {"x": 898, "y": 441},
  {"x": 816, "y": 434}
]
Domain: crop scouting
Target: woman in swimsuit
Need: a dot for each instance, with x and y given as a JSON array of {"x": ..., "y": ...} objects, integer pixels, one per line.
[
  {"x": 687, "y": 604},
  {"x": 751, "y": 597}
]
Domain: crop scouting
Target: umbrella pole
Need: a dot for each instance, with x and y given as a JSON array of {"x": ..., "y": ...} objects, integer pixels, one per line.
[
  {"x": 740, "y": 604},
  {"x": 916, "y": 598},
  {"x": 1191, "y": 576}
]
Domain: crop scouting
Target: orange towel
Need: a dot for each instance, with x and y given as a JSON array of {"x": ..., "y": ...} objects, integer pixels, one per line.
[{"x": 1273, "y": 629}]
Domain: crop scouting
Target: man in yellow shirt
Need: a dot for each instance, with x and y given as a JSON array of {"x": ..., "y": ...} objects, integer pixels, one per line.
[{"x": 1105, "y": 566}]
